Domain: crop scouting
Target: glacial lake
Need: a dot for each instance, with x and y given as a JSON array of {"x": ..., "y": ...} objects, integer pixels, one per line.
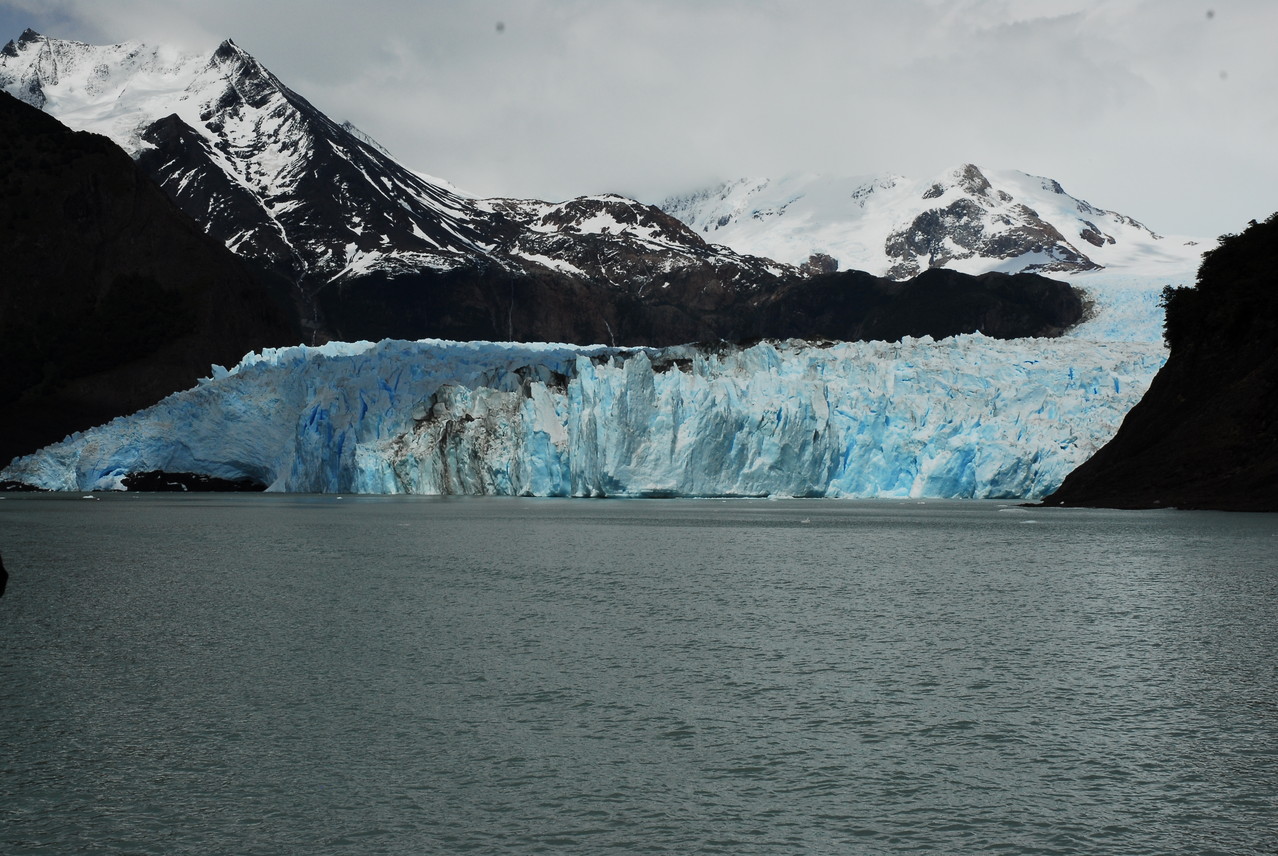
[{"x": 273, "y": 674}]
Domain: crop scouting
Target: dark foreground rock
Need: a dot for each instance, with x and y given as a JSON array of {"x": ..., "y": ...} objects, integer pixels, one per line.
[
  {"x": 158, "y": 481},
  {"x": 111, "y": 297},
  {"x": 1206, "y": 433}
]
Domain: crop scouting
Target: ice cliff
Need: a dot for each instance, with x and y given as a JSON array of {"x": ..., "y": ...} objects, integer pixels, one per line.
[{"x": 964, "y": 417}]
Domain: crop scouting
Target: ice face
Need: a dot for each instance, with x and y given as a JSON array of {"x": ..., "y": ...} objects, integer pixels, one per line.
[{"x": 963, "y": 417}]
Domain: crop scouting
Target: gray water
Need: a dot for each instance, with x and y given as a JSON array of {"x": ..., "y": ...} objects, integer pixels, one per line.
[{"x": 282, "y": 674}]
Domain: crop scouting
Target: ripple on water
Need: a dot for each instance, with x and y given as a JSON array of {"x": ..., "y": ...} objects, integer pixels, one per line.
[{"x": 634, "y": 677}]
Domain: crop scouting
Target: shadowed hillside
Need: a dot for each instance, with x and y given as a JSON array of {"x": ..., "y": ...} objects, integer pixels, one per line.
[
  {"x": 1206, "y": 433},
  {"x": 111, "y": 297}
]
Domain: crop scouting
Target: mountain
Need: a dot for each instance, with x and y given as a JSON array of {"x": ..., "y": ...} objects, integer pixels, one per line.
[
  {"x": 371, "y": 249},
  {"x": 322, "y": 205},
  {"x": 1206, "y": 434},
  {"x": 968, "y": 219},
  {"x": 965, "y": 417},
  {"x": 324, "y": 222},
  {"x": 111, "y": 298}
]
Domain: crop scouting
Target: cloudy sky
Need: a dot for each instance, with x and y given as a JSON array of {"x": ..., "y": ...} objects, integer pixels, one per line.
[{"x": 1165, "y": 110}]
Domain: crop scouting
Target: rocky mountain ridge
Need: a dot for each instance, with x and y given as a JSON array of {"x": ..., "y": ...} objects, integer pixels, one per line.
[
  {"x": 319, "y": 203},
  {"x": 968, "y": 219},
  {"x": 112, "y": 298},
  {"x": 372, "y": 249}
]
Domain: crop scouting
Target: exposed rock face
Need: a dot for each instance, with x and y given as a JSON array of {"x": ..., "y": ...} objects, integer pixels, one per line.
[
  {"x": 622, "y": 244},
  {"x": 322, "y": 205},
  {"x": 819, "y": 263},
  {"x": 111, "y": 297},
  {"x": 985, "y": 224},
  {"x": 849, "y": 305},
  {"x": 855, "y": 306},
  {"x": 968, "y": 219},
  {"x": 1206, "y": 433}
]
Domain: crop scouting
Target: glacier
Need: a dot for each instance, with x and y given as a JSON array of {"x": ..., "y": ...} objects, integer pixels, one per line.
[{"x": 965, "y": 417}]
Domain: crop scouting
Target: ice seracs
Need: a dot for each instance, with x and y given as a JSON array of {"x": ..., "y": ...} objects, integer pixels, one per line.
[{"x": 967, "y": 417}]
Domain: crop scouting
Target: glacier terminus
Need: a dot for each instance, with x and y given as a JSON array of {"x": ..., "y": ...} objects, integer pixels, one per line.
[{"x": 965, "y": 417}]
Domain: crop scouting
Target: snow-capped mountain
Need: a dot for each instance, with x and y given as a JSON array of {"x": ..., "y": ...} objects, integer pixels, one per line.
[
  {"x": 247, "y": 157},
  {"x": 969, "y": 219},
  {"x": 111, "y": 297},
  {"x": 966, "y": 417},
  {"x": 372, "y": 244},
  {"x": 612, "y": 237},
  {"x": 321, "y": 202}
]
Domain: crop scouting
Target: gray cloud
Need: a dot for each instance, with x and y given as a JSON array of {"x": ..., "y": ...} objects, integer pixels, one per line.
[{"x": 1123, "y": 101}]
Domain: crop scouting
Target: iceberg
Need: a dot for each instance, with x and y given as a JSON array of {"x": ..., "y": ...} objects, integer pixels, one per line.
[{"x": 965, "y": 417}]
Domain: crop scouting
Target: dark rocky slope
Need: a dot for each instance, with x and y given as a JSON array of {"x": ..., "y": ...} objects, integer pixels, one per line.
[
  {"x": 1206, "y": 433},
  {"x": 855, "y": 305},
  {"x": 111, "y": 298},
  {"x": 492, "y": 304}
]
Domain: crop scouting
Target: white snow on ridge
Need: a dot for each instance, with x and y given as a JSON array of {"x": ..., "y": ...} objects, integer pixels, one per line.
[
  {"x": 113, "y": 90},
  {"x": 964, "y": 417},
  {"x": 549, "y": 262},
  {"x": 854, "y": 218}
]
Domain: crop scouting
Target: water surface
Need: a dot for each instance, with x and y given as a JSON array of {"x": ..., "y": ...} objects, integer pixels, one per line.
[{"x": 293, "y": 674}]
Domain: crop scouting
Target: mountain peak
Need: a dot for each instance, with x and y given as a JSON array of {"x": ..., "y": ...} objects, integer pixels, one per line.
[
  {"x": 356, "y": 132},
  {"x": 231, "y": 56},
  {"x": 967, "y": 218},
  {"x": 11, "y": 47},
  {"x": 228, "y": 50},
  {"x": 972, "y": 180}
]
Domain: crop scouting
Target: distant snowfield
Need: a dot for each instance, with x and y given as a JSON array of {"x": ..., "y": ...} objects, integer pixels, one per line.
[{"x": 855, "y": 220}]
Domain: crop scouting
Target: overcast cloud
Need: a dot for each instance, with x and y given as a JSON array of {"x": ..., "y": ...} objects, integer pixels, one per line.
[{"x": 1164, "y": 110}]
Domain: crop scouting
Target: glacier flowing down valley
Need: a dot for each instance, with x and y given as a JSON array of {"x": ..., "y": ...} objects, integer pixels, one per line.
[{"x": 966, "y": 417}]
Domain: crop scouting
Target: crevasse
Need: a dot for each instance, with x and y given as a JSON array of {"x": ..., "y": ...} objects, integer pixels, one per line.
[{"x": 967, "y": 417}]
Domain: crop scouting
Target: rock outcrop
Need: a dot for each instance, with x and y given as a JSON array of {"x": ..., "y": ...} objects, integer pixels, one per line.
[
  {"x": 111, "y": 297},
  {"x": 1206, "y": 433}
]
